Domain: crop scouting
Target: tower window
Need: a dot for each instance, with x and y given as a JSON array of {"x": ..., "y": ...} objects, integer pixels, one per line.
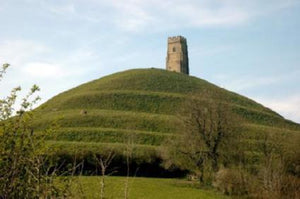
[{"x": 174, "y": 49}]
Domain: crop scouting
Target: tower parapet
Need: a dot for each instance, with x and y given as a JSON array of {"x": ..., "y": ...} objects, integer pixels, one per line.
[
  {"x": 176, "y": 39},
  {"x": 177, "y": 55}
]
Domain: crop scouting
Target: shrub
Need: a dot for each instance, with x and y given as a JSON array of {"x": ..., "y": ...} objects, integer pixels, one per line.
[
  {"x": 279, "y": 187},
  {"x": 232, "y": 181}
]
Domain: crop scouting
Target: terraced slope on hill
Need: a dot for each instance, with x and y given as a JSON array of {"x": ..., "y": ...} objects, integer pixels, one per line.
[{"x": 142, "y": 104}]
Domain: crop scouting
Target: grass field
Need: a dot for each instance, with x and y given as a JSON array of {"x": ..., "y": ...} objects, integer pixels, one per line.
[{"x": 141, "y": 188}]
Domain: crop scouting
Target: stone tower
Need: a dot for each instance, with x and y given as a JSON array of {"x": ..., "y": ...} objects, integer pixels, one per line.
[{"x": 177, "y": 55}]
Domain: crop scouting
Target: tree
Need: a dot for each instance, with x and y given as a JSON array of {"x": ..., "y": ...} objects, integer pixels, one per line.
[
  {"x": 206, "y": 129},
  {"x": 276, "y": 176},
  {"x": 104, "y": 162},
  {"x": 22, "y": 152}
]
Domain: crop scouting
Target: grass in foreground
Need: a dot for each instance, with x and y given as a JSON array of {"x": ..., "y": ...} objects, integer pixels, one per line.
[{"x": 141, "y": 188}]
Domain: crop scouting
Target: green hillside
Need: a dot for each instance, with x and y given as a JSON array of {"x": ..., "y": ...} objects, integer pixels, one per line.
[{"x": 143, "y": 104}]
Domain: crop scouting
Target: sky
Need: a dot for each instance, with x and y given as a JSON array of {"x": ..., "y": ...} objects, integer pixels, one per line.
[{"x": 249, "y": 47}]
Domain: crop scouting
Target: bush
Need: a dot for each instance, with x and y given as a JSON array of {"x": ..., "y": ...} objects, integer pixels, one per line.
[
  {"x": 232, "y": 181},
  {"x": 290, "y": 187},
  {"x": 22, "y": 170},
  {"x": 285, "y": 187}
]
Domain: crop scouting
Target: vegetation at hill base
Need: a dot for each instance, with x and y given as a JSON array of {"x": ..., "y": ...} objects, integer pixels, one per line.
[{"x": 26, "y": 171}]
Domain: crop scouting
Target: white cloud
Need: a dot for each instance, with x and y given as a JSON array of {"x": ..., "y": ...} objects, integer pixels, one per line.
[
  {"x": 43, "y": 70},
  {"x": 205, "y": 13},
  {"x": 246, "y": 82},
  {"x": 19, "y": 51},
  {"x": 35, "y": 63},
  {"x": 157, "y": 15},
  {"x": 65, "y": 9},
  {"x": 38, "y": 60},
  {"x": 289, "y": 107},
  {"x": 131, "y": 15},
  {"x": 138, "y": 15}
]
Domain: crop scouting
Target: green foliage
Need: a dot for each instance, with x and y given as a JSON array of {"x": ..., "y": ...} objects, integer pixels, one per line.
[
  {"x": 207, "y": 129},
  {"x": 22, "y": 173},
  {"x": 17, "y": 147},
  {"x": 274, "y": 174},
  {"x": 232, "y": 182},
  {"x": 3, "y": 70},
  {"x": 141, "y": 153}
]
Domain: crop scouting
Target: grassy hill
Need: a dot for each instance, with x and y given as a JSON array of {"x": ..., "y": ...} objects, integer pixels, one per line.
[{"x": 143, "y": 104}]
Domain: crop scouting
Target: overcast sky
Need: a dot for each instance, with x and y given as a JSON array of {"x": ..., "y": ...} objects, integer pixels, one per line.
[{"x": 249, "y": 47}]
